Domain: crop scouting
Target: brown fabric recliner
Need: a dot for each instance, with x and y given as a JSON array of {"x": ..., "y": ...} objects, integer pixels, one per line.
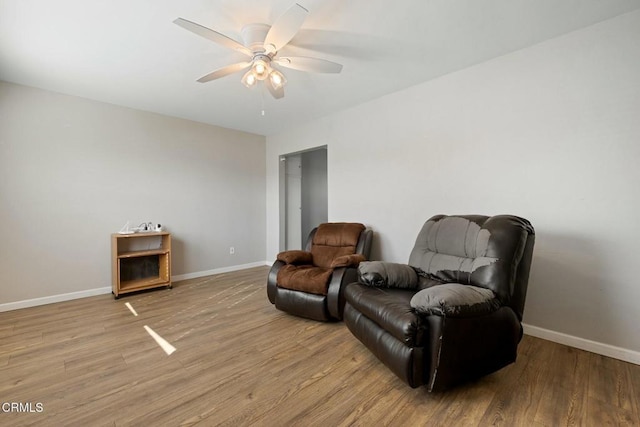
[
  {"x": 310, "y": 283},
  {"x": 454, "y": 312}
]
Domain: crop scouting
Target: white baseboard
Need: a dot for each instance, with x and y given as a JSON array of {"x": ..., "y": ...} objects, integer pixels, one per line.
[
  {"x": 107, "y": 290},
  {"x": 584, "y": 344},
  {"x": 218, "y": 271},
  {"x": 53, "y": 298}
]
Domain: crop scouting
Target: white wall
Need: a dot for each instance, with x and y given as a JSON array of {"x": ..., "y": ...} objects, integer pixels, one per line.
[
  {"x": 550, "y": 133},
  {"x": 73, "y": 171}
]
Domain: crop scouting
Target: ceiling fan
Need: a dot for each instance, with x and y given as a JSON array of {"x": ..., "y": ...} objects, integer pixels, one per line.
[{"x": 261, "y": 43}]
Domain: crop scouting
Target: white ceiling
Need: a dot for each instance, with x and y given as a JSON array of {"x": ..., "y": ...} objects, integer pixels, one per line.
[{"x": 129, "y": 53}]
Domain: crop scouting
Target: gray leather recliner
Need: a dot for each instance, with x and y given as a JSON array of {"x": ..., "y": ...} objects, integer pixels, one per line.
[{"x": 454, "y": 312}]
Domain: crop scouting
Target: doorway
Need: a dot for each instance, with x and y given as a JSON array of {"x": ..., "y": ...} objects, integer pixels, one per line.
[{"x": 303, "y": 195}]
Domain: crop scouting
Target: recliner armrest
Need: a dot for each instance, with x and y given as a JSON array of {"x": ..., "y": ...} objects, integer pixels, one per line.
[
  {"x": 387, "y": 275},
  {"x": 347, "y": 261},
  {"x": 296, "y": 257},
  {"x": 455, "y": 300}
]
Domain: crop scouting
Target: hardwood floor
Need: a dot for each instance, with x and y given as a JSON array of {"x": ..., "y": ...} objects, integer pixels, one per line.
[{"x": 239, "y": 361}]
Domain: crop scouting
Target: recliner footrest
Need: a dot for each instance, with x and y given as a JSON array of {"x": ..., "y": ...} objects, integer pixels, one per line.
[{"x": 390, "y": 309}]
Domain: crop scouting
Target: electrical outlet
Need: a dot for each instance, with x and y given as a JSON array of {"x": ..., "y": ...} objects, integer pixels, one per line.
[{"x": 232, "y": 250}]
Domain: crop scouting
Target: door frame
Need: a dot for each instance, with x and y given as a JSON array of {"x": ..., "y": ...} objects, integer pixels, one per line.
[{"x": 282, "y": 172}]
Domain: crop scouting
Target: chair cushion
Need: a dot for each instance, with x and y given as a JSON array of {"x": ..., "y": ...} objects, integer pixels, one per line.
[
  {"x": 333, "y": 240},
  {"x": 390, "y": 309},
  {"x": 455, "y": 300},
  {"x": 305, "y": 278}
]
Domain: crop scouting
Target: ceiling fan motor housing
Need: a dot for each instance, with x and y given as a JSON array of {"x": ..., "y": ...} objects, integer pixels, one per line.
[{"x": 253, "y": 36}]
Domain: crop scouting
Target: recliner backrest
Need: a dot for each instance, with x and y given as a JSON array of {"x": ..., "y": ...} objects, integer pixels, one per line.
[
  {"x": 489, "y": 252},
  {"x": 331, "y": 240}
]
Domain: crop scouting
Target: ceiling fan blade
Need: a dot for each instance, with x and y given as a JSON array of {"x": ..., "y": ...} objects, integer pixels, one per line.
[
  {"x": 285, "y": 28},
  {"x": 304, "y": 63},
  {"x": 277, "y": 93},
  {"x": 224, "y": 71},
  {"x": 212, "y": 35}
]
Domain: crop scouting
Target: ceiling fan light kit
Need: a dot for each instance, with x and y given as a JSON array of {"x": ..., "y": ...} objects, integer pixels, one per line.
[
  {"x": 249, "y": 79},
  {"x": 277, "y": 78},
  {"x": 262, "y": 43}
]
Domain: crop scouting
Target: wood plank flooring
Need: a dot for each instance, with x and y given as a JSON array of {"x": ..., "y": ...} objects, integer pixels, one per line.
[{"x": 239, "y": 361}]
